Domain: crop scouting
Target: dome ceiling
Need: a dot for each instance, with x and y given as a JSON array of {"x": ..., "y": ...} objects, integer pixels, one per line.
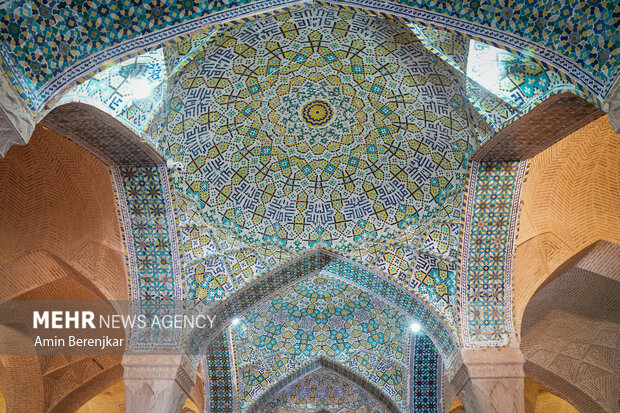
[{"x": 317, "y": 127}]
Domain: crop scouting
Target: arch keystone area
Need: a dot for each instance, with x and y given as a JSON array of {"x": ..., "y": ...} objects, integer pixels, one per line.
[
  {"x": 329, "y": 365},
  {"x": 306, "y": 265}
]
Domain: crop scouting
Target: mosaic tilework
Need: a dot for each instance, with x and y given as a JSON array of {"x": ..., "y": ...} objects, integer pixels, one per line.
[
  {"x": 254, "y": 162},
  {"x": 331, "y": 366},
  {"x": 495, "y": 112},
  {"x": 408, "y": 303},
  {"x": 519, "y": 81},
  {"x": 427, "y": 377},
  {"x": 317, "y": 113},
  {"x": 516, "y": 86},
  {"x": 423, "y": 258},
  {"x": 111, "y": 91},
  {"x": 324, "y": 389},
  {"x": 150, "y": 236},
  {"x": 253, "y": 202},
  {"x": 374, "y": 284},
  {"x": 217, "y": 374},
  {"x": 322, "y": 317},
  {"x": 485, "y": 289},
  {"x": 42, "y": 40},
  {"x": 106, "y": 137},
  {"x": 512, "y": 85},
  {"x": 422, "y": 255},
  {"x": 451, "y": 47}
]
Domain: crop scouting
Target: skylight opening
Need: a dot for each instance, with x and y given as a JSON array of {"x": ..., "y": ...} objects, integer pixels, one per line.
[
  {"x": 415, "y": 327},
  {"x": 485, "y": 65},
  {"x": 140, "y": 87}
]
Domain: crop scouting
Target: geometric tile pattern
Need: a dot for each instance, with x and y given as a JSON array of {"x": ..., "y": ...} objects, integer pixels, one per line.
[
  {"x": 450, "y": 46},
  {"x": 384, "y": 155},
  {"x": 149, "y": 230},
  {"x": 423, "y": 257},
  {"x": 323, "y": 364},
  {"x": 217, "y": 376},
  {"x": 299, "y": 130},
  {"x": 111, "y": 90},
  {"x": 511, "y": 85},
  {"x": 261, "y": 183},
  {"x": 324, "y": 390},
  {"x": 42, "y": 41},
  {"x": 518, "y": 84},
  {"x": 404, "y": 300},
  {"x": 324, "y": 317},
  {"x": 523, "y": 82},
  {"x": 485, "y": 288},
  {"x": 427, "y": 376},
  {"x": 494, "y": 111},
  {"x": 517, "y": 80},
  {"x": 410, "y": 303}
]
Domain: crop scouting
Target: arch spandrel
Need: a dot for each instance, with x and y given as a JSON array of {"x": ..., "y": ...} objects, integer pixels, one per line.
[
  {"x": 85, "y": 44},
  {"x": 331, "y": 266},
  {"x": 369, "y": 397},
  {"x": 323, "y": 317}
]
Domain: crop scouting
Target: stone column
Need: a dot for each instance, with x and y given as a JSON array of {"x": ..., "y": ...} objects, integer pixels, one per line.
[
  {"x": 16, "y": 120},
  {"x": 612, "y": 107},
  {"x": 157, "y": 383},
  {"x": 490, "y": 380}
]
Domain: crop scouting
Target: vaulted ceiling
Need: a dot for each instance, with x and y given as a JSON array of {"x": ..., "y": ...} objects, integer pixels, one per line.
[
  {"x": 318, "y": 126},
  {"x": 325, "y": 343},
  {"x": 339, "y": 130},
  {"x": 321, "y": 317},
  {"x": 319, "y": 161}
]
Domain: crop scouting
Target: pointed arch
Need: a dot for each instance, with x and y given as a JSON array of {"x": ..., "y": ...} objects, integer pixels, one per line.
[
  {"x": 592, "y": 73},
  {"x": 548, "y": 122},
  {"x": 101, "y": 134},
  {"x": 330, "y": 365},
  {"x": 564, "y": 213},
  {"x": 263, "y": 287},
  {"x": 570, "y": 319},
  {"x": 561, "y": 387}
]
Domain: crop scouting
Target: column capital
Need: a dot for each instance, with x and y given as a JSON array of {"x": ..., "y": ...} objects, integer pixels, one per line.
[
  {"x": 612, "y": 107},
  {"x": 489, "y": 380},
  {"x": 160, "y": 367},
  {"x": 157, "y": 383}
]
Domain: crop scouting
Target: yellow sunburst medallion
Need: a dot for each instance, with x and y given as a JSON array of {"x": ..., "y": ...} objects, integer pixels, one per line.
[{"x": 317, "y": 113}]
